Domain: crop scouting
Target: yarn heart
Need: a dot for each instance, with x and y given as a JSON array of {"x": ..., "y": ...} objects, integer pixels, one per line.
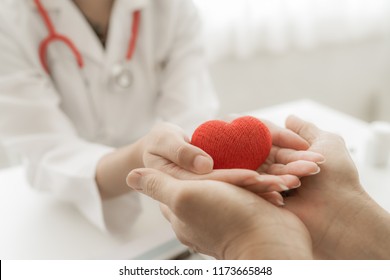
[{"x": 244, "y": 143}]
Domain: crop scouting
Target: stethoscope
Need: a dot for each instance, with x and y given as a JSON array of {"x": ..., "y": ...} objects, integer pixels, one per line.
[{"x": 121, "y": 73}]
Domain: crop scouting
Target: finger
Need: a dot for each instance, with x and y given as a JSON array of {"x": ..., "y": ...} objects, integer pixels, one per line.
[
  {"x": 191, "y": 158},
  {"x": 178, "y": 150},
  {"x": 270, "y": 183},
  {"x": 152, "y": 183},
  {"x": 273, "y": 197},
  {"x": 285, "y": 138},
  {"x": 298, "y": 168},
  {"x": 167, "y": 213},
  {"x": 306, "y": 130},
  {"x": 239, "y": 177},
  {"x": 248, "y": 179},
  {"x": 176, "y": 224},
  {"x": 285, "y": 156}
]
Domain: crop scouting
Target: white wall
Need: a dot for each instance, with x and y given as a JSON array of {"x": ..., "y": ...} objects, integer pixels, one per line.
[
  {"x": 353, "y": 78},
  {"x": 4, "y": 161}
]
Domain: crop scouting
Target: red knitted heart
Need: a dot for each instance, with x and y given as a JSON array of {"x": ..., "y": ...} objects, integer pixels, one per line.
[{"x": 244, "y": 143}]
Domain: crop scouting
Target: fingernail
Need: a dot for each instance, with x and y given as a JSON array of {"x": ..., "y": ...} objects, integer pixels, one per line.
[
  {"x": 297, "y": 186},
  {"x": 315, "y": 172},
  {"x": 280, "y": 202},
  {"x": 202, "y": 164},
  {"x": 134, "y": 179},
  {"x": 283, "y": 187},
  {"x": 321, "y": 161}
]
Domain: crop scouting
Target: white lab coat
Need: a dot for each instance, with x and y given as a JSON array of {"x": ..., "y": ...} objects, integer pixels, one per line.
[{"x": 64, "y": 123}]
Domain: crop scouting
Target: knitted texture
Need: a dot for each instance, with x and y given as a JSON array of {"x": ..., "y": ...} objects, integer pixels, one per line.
[{"x": 244, "y": 143}]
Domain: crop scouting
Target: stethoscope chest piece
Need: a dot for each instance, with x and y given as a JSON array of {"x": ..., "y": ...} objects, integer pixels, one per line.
[{"x": 122, "y": 76}]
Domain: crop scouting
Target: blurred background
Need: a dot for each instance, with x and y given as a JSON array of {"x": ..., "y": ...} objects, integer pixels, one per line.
[{"x": 265, "y": 52}]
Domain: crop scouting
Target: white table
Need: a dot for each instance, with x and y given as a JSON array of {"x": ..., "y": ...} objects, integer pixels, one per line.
[{"x": 35, "y": 226}]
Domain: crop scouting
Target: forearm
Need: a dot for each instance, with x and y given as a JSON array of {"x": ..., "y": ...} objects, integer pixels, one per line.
[
  {"x": 294, "y": 246},
  {"x": 113, "y": 168},
  {"x": 276, "y": 252},
  {"x": 378, "y": 235},
  {"x": 364, "y": 233}
]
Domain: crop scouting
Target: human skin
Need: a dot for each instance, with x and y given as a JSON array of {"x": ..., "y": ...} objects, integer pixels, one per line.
[
  {"x": 167, "y": 148},
  {"x": 98, "y": 14},
  {"x": 329, "y": 217},
  {"x": 170, "y": 150},
  {"x": 343, "y": 220},
  {"x": 223, "y": 220}
]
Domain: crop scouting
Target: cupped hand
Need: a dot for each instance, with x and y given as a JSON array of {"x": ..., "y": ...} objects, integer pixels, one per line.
[{"x": 222, "y": 220}]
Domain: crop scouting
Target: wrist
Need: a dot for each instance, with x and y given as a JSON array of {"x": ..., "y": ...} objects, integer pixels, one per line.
[
  {"x": 113, "y": 168},
  {"x": 137, "y": 151},
  {"x": 361, "y": 232},
  {"x": 253, "y": 246}
]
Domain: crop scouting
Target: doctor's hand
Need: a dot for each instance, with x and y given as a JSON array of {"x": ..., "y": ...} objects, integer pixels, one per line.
[
  {"x": 167, "y": 146},
  {"x": 222, "y": 220},
  {"x": 344, "y": 222}
]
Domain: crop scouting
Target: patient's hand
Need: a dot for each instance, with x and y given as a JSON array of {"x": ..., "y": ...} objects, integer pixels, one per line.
[{"x": 223, "y": 220}]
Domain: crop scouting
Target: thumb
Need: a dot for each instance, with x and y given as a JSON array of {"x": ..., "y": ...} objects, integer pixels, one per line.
[
  {"x": 152, "y": 183},
  {"x": 306, "y": 130}
]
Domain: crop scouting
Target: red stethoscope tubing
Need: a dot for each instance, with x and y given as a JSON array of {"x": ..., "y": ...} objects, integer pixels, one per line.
[
  {"x": 54, "y": 36},
  {"x": 134, "y": 34}
]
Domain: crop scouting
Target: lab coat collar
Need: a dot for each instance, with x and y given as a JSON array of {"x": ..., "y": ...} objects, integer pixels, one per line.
[{"x": 69, "y": 21}]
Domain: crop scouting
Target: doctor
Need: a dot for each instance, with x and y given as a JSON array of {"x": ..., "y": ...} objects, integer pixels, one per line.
[
  {"x": 80, "y": 78},
  {"x": 83, "y": 84}
]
